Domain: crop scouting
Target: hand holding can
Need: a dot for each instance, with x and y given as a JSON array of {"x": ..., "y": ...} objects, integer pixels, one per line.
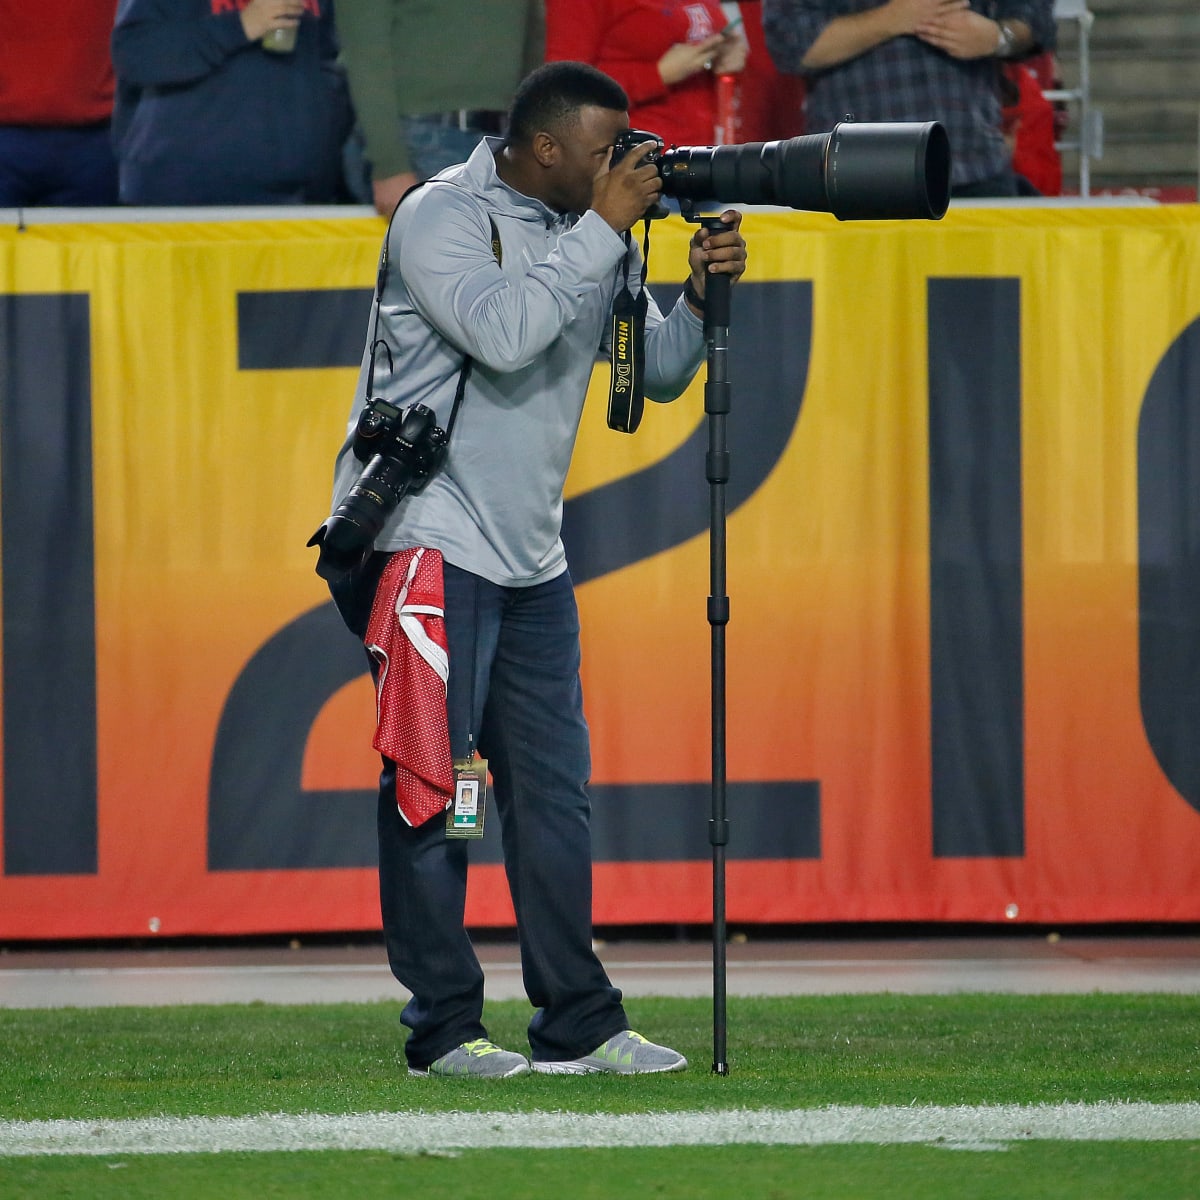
[{"x": 273, "y": 23}]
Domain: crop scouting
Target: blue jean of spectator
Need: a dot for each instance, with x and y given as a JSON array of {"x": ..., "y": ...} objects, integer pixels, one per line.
[
  {"x": 57, "y": 167},
  {"x": 433, "y": 147}
]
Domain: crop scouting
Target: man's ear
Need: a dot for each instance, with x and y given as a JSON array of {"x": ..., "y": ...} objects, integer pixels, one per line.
[{"x": 545, "y": 149}]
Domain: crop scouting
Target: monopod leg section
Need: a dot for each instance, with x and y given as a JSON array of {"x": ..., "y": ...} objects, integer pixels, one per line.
[{"x": 717, "y": 406}]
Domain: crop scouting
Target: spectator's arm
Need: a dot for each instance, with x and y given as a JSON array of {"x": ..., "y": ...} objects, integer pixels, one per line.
[
  {"x": 152, "y": 45},
  {"x": 802, "y": 38},
  {"x": 1034, "y": 19},
  {"x": 847, "y": 37},
  {"x": 535, "y": 36},
  {"x": 366, "y": 31},
  {"x": 328, "y": 38}
]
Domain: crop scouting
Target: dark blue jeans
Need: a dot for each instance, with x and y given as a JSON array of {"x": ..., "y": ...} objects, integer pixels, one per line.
[
  {"x": 433, "y": 147},
  {"x": 48, "y": 166},
  {"x": 514, "y": 692},
  {"x": 1002, "y": 185}
]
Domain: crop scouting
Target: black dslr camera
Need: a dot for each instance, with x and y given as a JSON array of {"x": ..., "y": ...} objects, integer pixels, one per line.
[
  {"x": 403, "y": 449},
  {"x": 888, "y": 170},
  {"x": 625, "y": 141}
]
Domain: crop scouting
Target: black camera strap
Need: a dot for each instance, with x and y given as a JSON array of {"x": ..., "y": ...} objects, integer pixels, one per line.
[
  {"x": 381, "y": 283},
  {"x": 347, "y": 536},
  {"x": 626, "y": 389}
]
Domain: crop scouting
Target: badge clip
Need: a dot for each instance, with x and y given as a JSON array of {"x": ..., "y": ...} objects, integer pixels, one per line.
[{"x": 464, "y": 817}]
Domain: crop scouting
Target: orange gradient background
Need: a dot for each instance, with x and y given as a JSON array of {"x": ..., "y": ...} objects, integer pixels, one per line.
[{"x": 200, "y": 558}]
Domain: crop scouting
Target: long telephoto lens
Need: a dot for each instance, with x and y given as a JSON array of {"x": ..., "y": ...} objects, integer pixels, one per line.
[
  {"x": 874, "y": 171},
  {"x": 347, "y": 537}
]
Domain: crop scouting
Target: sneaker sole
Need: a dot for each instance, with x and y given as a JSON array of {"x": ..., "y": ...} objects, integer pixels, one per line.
[
  {"x": 520, "y": 1069},
  {"x": 596, "y": 1066}
]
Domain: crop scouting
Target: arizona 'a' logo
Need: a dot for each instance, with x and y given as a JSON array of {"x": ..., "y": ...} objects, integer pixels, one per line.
[{"x": 700, "y": 22}]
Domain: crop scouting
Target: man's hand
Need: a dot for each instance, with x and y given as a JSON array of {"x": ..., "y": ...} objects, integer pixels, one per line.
[
  {"x": 387, "y": 193},
  {"x": 685, "y": 59},
  {"x": 964, "y": 34},
  {"x": 622, "y": 194},
  {"x": 718, "y": 253},
  {"x": 911, "y": 16},
  {"x": 731, "y": 54},
  {"x": 261, "y": 16}
]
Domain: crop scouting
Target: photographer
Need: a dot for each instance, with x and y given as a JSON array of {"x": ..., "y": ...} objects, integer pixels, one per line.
[{"x": 529, "y": 304}]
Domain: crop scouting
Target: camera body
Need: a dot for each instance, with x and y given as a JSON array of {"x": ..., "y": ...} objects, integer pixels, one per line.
[
  {"x": 625, "y": 141},
  {"x": 402, "y": 449},
  {"x": 410, "y": 435}
]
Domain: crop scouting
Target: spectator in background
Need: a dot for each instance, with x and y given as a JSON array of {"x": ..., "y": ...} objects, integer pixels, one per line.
[
  {"x": 770, "y": 103},
  {"x": 207, "y": 114},
  {"x": 56, "y": 100},
  {"x": 666, "y": 54},
  {"x": 913, "y": 60},
  {"x": 429, "y": 81}
]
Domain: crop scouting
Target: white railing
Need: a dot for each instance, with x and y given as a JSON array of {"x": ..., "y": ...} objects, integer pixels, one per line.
[{"x": 1089, "y": 120}]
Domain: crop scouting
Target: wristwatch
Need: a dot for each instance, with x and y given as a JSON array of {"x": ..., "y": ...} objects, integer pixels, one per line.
[{"x": 1006, "y": 41}]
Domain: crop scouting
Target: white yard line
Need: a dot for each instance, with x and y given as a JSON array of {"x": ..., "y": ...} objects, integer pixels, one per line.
[{"x": 980, "y": 1127}]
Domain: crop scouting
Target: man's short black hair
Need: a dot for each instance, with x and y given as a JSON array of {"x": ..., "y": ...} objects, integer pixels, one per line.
[{"x": 550, "y": 97}]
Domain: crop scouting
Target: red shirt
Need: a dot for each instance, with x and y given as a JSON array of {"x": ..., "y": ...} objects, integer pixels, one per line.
[
  {"x": 55, "y": 67},
  {"x": 1031, "y": 120},
  {"x": 771, "y": 104},
  {"x": 625, "y": 39}
]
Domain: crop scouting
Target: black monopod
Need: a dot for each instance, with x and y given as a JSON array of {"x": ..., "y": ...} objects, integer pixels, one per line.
[
  {"x": 717, "y": 295},
  {"x": 857, "y": 172},
  {"x": 871, "y": 171}
]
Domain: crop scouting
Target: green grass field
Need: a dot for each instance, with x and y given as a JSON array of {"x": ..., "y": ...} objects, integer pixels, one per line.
[{"x": 105, "y": 1065}]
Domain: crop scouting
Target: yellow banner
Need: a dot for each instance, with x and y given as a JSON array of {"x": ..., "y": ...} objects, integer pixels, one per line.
[{"x": 962, "y": 556}]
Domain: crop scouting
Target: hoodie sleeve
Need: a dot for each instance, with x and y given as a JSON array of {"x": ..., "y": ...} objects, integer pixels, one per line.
[
  {"x": 153, "y": 44},
  {"x": 455, "y": 283},
  {"x": 674, "y": 351}
]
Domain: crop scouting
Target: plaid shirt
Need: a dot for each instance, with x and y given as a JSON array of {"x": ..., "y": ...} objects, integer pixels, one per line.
[{"x": 905, "y": 79}]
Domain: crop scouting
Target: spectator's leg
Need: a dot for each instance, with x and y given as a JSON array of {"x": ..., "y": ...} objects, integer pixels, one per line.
[
  {"x": 81, "y": 168},
  {"x": 20, "y": 166}
]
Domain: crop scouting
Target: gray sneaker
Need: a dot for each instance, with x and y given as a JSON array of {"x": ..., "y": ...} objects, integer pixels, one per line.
[
  {"x": 626, "y": 1053},
  {"x": 480, "y": 1058}
]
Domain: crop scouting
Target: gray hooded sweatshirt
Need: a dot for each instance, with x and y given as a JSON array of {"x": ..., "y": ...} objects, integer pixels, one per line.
[{"x": 533, "y": 324}]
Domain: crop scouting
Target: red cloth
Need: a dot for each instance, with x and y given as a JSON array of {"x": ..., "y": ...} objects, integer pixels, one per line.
[
  {"x": 1030, "y": 122},
  {"x": 625, "y": 39},
  {"x": 406, "y": 636},
  {"x": 55, "y": 67}
]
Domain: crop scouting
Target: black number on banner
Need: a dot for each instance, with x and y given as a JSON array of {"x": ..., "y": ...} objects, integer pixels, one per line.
[
  {"x": 977, "y": 731},
  {"x": 1168, "y": 471},
  {"x": 49, "y": 622}
]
